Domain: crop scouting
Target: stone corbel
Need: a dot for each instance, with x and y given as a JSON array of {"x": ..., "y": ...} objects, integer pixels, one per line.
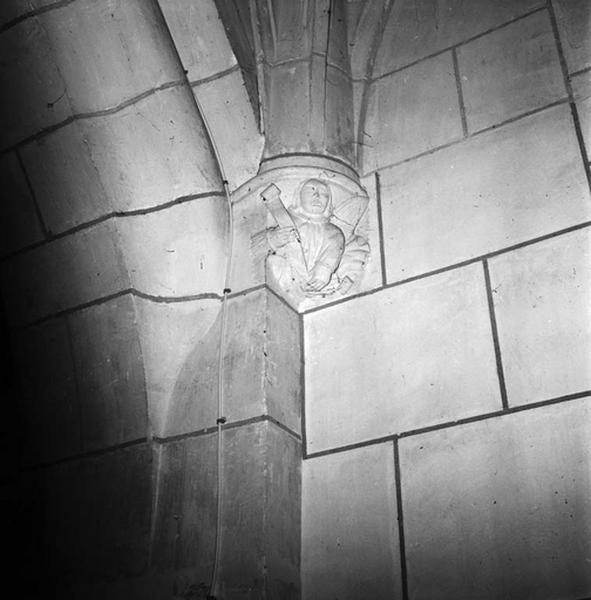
[{"x": 313, "y": 245}]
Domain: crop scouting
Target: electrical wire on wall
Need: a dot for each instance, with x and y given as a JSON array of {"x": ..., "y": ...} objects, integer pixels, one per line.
[{"x": 221, "y": 419}]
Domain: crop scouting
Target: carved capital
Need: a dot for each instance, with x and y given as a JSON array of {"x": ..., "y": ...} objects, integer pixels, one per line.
[{"x": 315, "y": 244}]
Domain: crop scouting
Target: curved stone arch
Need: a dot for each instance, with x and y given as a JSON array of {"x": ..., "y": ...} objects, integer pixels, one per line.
[{"x": 125, "y": 230}]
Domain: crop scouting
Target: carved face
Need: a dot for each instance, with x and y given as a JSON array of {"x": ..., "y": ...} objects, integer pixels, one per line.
[{"x": 314, "y": 197}]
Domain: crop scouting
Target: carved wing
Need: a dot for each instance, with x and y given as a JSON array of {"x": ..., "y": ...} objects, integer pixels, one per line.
[{"x": 349, "y": 212}]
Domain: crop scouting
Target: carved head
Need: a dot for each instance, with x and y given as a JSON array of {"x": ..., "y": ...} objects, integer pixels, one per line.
[{"x": 315, "y": 198}]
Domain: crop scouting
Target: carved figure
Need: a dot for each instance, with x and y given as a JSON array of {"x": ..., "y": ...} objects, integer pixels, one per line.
[{"x": 314, "y": 249}]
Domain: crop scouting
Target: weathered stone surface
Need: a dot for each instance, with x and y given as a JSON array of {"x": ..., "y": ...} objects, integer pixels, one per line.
[
  {"x": 109, "y": 373},
  {"x": 500, "y": 509},
  {"x": 199, "y": 36},
  {"x": 317, "y": 118},
  {"x": 337, "y": 49},
  {"x": 331, "y": 44},
  {"x": 288, "y": 110},
  {"x": 249, "y": 216},
  {"x": 109, "y": 52},
  {"x": 419, "y": 28},
  {"x": 329, "y": 121},
  {"x": 261, "y": 362},
  {"x": 244, "y": 356},
  {"x": 153, "y": 152},
  {"x": 358, "y": 99},
  {"x": 178, "y": 342},
  {"x": 63, "y": 274},
  {"x": 184, "y": 523},
  {"x": 338, "y": 117},
  {"x": 283, "y": 509},
  {"x": 349, "y": 526},
  {"x": 49, "y": 403},
  {"x": 148, "y": 154},
  {"x": 510, "y": 71},
  {"x": 33, "y": 90},
  {"x": 354, "y": 14},
  {"x": 19, "y": 225},
  {"x": 399, "y": 359},
  {"x": 399, "y": 119},
  {"x": 286, "y": 31},
  {"x": 373, "y": 270},
  {"x": 177, "y": 251},
  {"x": 574, "y": 18},
  {"x": 224, "y": 101},
  {"x": 65, "y": 179},
  {"x": 283, "y": 363},
  {"x": 541, "y": 296},
  {"x": 581, "y": 85},
  {"x": 260, "y": 545},
  {"x": 364, "y": 21},
  {"x": 261, "y": 510},
  {"x": 309, "y": 100},
  {"x": 163, "y": 256},
  {"x": 489, "y": 192}
]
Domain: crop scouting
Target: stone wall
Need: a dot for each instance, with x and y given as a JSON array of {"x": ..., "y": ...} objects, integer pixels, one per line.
[
  {"x": 447, "y": 410},
  {"x": 446, "y": 405},
  {"x": 114, "y": 246}
]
